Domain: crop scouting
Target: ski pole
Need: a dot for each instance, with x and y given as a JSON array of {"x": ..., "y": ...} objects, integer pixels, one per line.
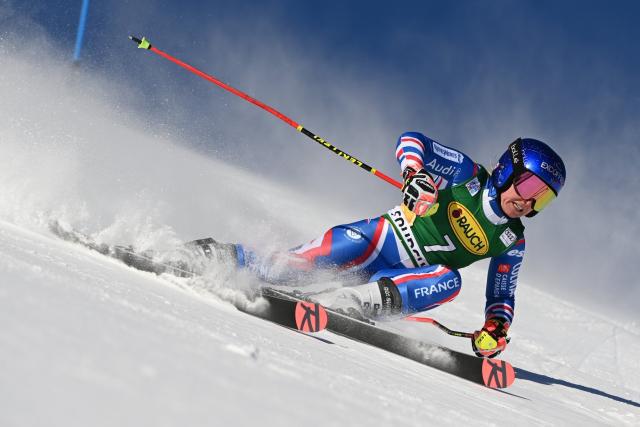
[
  {"x": 81, "y": 27},
  {"x": 440, "y": 326},
  {"x": 144, "y": 44}
]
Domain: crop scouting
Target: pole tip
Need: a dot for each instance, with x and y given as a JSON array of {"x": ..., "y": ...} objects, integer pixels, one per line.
[{"x": 142, "y": 44}]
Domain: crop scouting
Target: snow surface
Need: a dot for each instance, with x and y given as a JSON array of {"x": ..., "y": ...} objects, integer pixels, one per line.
[
  {"x": 88, "y": 341},
  {"x": 85, "y": 340}
]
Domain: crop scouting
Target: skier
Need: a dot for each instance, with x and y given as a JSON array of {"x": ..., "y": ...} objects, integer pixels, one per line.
[{"x": 454, "y": 213}]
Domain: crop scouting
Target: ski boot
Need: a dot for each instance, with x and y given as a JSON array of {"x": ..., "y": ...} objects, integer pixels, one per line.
[
  {"x": 188, "y": 260},
  {"x": 369, "y": 301}
]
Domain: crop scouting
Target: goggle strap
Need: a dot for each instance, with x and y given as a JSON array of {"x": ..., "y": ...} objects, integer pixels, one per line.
[{"x": 517, "y": 157}]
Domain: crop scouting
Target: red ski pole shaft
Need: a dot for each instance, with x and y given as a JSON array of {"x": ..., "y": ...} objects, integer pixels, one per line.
[
  {"x": 144, "y": 44},
  {"x": 440, "y": 326}
]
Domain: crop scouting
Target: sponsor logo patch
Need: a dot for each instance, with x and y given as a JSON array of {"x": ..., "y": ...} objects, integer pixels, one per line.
[
  {"x": 354, "y": 234},
  {"x": 516, "y": 253},
  {"x": 515, "y": 154},
  {"x": 403, "y": 227},
  {"x": 508, "y": 237},
  {"x": 513, "y": 282},
  {"x": 467, "y": 229},
  {"x": 473, "y": 186},
  {"x": 445, "y": 285},
  {"x": 553, "y": 171},
  {"x": 390, "y": 296},
  {"x": 435, "y": 168},
  {"x": 446, "y": 153},
  {"x": 504, "y": 268}
]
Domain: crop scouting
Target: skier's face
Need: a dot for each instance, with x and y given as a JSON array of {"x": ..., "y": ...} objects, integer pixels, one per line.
[{"x": 513, "y": 205}]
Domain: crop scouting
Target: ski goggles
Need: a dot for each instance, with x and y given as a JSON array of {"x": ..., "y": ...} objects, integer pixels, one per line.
[{"x": 529, "y": 186}]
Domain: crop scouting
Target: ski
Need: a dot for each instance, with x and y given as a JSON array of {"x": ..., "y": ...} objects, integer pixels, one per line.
[
  {"x": 492, "y": 373},
  {"x": 298, "y": 312},
  {"x": 285, "y": 310},
  {"x": 304, "y": 316}
]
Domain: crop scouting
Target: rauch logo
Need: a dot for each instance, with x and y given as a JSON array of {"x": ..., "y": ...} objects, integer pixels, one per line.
[{"x": 467, "y": 229}]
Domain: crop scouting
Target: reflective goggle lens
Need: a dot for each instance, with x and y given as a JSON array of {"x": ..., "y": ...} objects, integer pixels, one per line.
[{"x": 529, "y": 186}]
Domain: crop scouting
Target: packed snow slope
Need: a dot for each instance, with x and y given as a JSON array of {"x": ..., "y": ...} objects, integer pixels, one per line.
[
  {"x": 85, "y": 340},
  {"x": 88, "y": 341}
]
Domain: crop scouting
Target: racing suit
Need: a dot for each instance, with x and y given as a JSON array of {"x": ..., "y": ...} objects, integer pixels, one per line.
[{"x": 416, "y": 259}]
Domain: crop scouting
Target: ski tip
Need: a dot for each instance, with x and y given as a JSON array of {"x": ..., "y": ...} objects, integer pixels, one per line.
[
  {"x": 497, "y": 373},
  {"x": 310, "y": 317}
]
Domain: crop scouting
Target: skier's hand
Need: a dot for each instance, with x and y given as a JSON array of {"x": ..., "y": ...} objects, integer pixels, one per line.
[
  {"x": 419, "y": 191},
  {"x": 492, "y": 339}
]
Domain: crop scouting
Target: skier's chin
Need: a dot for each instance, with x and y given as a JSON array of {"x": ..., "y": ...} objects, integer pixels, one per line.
[{"x": 511, "y": 211}]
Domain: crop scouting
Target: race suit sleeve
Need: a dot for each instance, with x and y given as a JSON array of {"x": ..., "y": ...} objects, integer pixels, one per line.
[
  {"x": 446, "y": 165},
  {"x": 502, "y": 280}
]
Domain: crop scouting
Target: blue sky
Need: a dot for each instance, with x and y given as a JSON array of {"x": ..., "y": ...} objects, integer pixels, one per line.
[
  {"x": 566, "y": 55},
  {"x": 402, "y": 42},
  {"x": 472, "y": 74}
]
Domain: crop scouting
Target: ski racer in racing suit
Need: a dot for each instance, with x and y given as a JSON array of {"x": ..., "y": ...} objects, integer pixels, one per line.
[{"x": 454, "y": 213}]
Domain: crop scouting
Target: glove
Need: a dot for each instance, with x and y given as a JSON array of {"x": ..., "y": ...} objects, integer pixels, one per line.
[
  {"x": 492, "y": 339},
  {"x": 419, "y": 191}
]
